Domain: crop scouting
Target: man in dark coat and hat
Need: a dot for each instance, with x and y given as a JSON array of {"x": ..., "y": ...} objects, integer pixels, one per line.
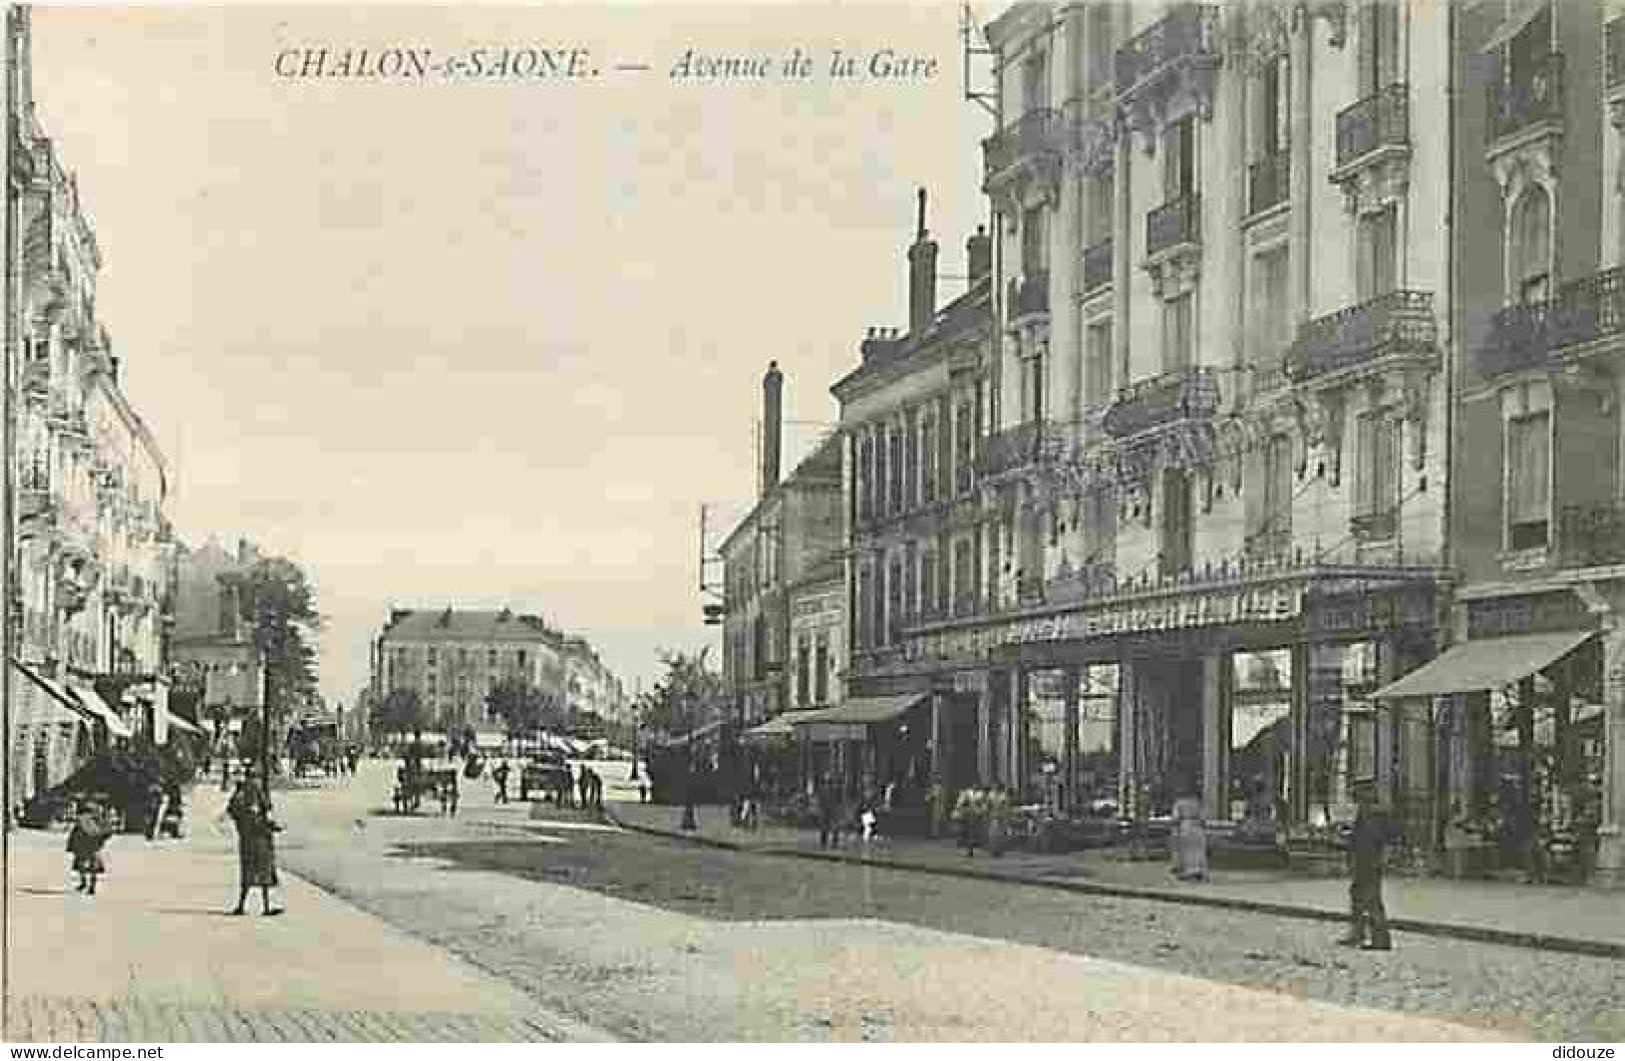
[{"x": 1368, "y": 922}]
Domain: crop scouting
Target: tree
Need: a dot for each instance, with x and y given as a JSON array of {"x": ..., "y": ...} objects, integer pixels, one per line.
[
  {"x": 523, "y": 708},
  {"x": 683, "y": 698},
  {"x": 400, "y": 712},
  {"x": 276, "y": 600}
]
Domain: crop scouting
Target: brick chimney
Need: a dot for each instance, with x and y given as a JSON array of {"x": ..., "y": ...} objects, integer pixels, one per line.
[
  {"x": 922, "y": 276},
  {"x": 772, "y": 425},
  {"x": 979, "y": 254}
]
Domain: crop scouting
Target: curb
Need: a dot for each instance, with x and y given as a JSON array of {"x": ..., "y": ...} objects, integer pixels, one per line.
[{"x": 1442, "y": 929}]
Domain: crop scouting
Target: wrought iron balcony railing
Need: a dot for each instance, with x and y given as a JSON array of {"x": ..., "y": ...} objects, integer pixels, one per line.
[
  {"x": 1191, "y": 394},
  {"x": 1592, "y": 535},
  {"x": 1036, "y": 132},
  {"x": 1526, "y": 98},
  {"x": 1400, "y": 322},
  {"x": 1268, "y": 181},
  {"x": 1615, "y": 31},
  {"x": 1582, "y": 311},
  {"x": 1188, "y": 32},
  {"x": 1173, "y": 223},
  {"x": 1029, "y": 294},
  {"x": 1097, "y": 265},
  {"x": 1382, "y": 119},
  {"x": 1013, "y": 448}
]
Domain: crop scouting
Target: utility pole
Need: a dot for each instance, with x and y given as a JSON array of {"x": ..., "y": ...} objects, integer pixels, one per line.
[{"x": 9, "y": 289}]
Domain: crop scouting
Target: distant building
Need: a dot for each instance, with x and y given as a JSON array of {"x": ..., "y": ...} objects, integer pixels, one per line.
[
  {"x": 454, "y": 657},
  {"x": 217, "y": 670},
  {"x": 793, "y": 531}
]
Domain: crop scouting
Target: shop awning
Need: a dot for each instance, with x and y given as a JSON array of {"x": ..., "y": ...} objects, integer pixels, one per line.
[
  {"x": 1489, "y": 663},
  {"x": 96, "y": 706},
  {"x": 778, "y": 726},
  {"x": 184, "y": 725},
  {"x": 1523, "y": 13},
  {"x": 864, "y": 710},
  {"x": 60, "y": 697}
]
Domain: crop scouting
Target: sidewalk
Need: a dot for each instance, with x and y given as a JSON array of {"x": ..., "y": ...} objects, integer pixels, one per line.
[
  {"x": 155, "y": 957},
  {"x": 1565, "y": 919}
]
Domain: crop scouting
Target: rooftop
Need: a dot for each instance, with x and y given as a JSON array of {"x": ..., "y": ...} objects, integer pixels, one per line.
[{"x": 452, "y": 624}]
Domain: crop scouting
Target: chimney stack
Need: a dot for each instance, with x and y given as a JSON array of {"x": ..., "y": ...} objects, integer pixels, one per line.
[
  {"x": 772, "y": 425},
  {"x": 979, "y": 253},
  {"x": 922, "y": 276}
]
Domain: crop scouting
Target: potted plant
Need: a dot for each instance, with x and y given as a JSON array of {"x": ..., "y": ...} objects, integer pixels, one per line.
[{"x": 970, "y": 815}]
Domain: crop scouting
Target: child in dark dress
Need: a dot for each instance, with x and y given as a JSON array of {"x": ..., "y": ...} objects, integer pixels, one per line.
[{"x": 86, "y": 839}]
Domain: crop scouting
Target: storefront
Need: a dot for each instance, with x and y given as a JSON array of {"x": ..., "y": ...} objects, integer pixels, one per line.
[
  {"x": 1522, "y": 757},
  {"x": 1252, "y": 693}
]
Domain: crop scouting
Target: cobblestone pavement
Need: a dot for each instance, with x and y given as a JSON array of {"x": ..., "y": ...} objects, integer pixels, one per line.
[
  {"x": 545, "y": 905},
  {"x": 40, "y": 1019}
]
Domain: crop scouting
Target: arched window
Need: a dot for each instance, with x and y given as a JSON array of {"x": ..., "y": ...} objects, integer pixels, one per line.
[{"x": 1530, "y": 246}]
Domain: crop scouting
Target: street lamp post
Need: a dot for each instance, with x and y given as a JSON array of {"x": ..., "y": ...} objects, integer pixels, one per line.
[
  {"x": 690, "y": 824},
  {"x": 265, "y": 721}
]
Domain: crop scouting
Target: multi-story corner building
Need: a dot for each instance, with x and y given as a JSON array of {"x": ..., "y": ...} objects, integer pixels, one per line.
[
  {"x": 1220, "y": 408},
  {"x": 591, "y": 687},
  {"x": 913, "y": 415},
  {"x": 1531, "y": 701},
  {"x": 90, "y": 486},
  {"x": 454, "y": 657},
  {"x": 218, "y": 671},
  {"x": 779, "y": 550}
]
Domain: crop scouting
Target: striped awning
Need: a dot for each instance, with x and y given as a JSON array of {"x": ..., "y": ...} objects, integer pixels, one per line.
[
  {"x": 1485, "y": 664},
  {"x": 96, "y": 706},
  {"x": 55, "y": 693}
]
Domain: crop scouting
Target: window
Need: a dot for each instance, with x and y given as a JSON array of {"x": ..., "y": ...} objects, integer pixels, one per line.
[
  {"x": 433, "y": 656},
  {"x": 1378, "y": 43},
  {"x": 1528, "y": 491},
  {"x": 962, "y": 577},
  {"x": 1034, "y": 241},
  {"x": 1273, "y": 114},
  {"x": 963, "y": 447},
  {"x": 866, "y": 478},
  {"x": 895, "y": 465},
  {"x": 881, "y": 587},
  {"x": 1035, "y": 81},
  {"x": 866, "y": 590},
  {"x": 881, "y": 493},
  {"x": 1101, "y": 208},
  {"x": 928, "y": 453},
  {"x": 522, "y": 658},
  {"x": 1376, "y": 272},
  {"x": 1097, "y": 368},
  {"x": 1179, "y": 159},
  {"x": 1530, "y": 253},
  {"x": 821, "y": 665},
  {"x": 1177, "y": 337},
  {"x": 911, "y": 466},
  {"x": 894, "y": 602},
  {"x": 911, "y": 571},
  {"x": 1272, "y": 320},
  {"x": 928, "y": 586},
  {"x": 802, "y": 675},
  {"x": 1177, "y": 530},
  {"x": 1099, "y": 45},
  {"x": 1275, "y": 521},
  {"x": 1377, "y": 475}
]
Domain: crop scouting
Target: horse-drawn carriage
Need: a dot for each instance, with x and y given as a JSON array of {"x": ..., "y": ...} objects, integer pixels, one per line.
[
  {"x": 314, "y": 747},
  {"x": 414, "y": 784}
]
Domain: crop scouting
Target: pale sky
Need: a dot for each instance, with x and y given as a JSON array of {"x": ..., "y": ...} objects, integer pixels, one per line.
[{"x": 494, "y": 343}]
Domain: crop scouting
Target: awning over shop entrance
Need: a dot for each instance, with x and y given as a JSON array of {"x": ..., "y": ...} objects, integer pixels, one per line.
[
  {"x": 1489, "y": 663},
  {"x": 778, "y": 726},
  {"x": 68, "y": 709},
  {"x": 850, "y": 720},
  {"x": 95, "y": 705}
]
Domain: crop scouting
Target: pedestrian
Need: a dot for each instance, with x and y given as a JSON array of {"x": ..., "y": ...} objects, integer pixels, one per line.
[
  {"x": 250, "y": 811},
  {"x": 643, "y": 791},
  {"x": 500, "y": 776},
  {"x": 595, "y": 789},
  {"x": 1368, "y": 921},
  {"x": 584, "y": 786},
  {"x": 152, "y": 807},
  {"x": 829, "y": 813},
  {"x": 1189, "y": 840},
  {"x": 452, "y": 792},
  {"x": 86, "y": 839}
]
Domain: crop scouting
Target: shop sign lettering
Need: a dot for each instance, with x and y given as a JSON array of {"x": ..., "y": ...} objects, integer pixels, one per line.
[{"x": 1211, "y": 609}]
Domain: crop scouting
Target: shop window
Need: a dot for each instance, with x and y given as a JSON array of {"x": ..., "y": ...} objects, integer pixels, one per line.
[
  {"x": 1045, "y": 711},
  {"x": 1260, "y": 734},
  {"x": 1097, "y": 770},
  {"x": 1528, "y": 485}
]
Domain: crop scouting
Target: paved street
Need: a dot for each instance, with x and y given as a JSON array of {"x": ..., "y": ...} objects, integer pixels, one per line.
[{"x": 655, "y": 939}]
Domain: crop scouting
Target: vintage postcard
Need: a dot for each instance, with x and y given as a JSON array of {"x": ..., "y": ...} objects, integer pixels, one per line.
[{"x": 813, "y": 522}]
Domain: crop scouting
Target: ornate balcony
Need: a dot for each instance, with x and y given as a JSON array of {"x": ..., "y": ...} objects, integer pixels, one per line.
[
  {"x": 1582, "y": 311},
  {"x": 1398, "y": 324},
  {"x": 1096, "y": 579},
  {"x": 1177, "y": 56},
  {"x": 1015, "y": 448},
  {"x": 1526, "y": 100},
  {"x": 1192, "y": 394},
  {"x": 1097, "y": 266},
  {"x": 1028, "y": 295},
  {"x": 1029, "y": 147},
  {"x": 1592, "y": 535},
  {"x": 1381, "y": 120},
  {"x": 1173, "y": 224},
  {"x": 1269, "y": 182}
]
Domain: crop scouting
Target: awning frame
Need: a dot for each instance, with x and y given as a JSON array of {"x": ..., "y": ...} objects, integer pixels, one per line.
[{"x": 1453, "y": 671}]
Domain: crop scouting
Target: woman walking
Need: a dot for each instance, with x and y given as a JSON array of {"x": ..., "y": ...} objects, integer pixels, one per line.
[
  {"x": 85, "y": 842},
  {"x": 250, "y": 810},
  {"x": 1189, "y": 840}
]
